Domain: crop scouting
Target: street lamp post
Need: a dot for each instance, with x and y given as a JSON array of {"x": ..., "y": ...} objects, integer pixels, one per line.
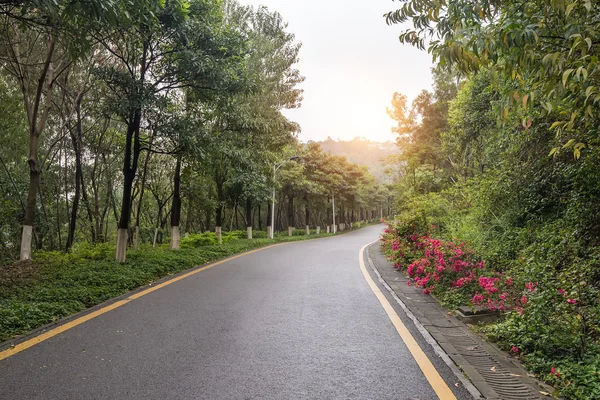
[
  {"x": 333, "y": 206},
  {"x": 275, "y": 168}
]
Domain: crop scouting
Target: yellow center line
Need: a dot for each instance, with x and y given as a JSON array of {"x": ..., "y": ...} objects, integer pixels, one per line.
[
  {"x": 431, "y": 374},
  {"x": 11, "y": 351},
  {"x": 80, "y": 320}
]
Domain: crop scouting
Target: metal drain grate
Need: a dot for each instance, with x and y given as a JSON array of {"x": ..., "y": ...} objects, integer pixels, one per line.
[
  {"x": 499, "y": 378},
  {"x": 506, "y": 385}
]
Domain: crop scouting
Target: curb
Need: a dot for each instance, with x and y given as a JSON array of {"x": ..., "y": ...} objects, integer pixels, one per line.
[{"x": 426, "y": 335}]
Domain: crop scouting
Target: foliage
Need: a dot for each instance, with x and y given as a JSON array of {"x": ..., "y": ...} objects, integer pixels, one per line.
[{"x": 497, "y": 184}]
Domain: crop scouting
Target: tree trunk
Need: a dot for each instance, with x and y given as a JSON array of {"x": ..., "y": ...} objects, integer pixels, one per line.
[
  {"x": 37, "y": 115},
  {"x": 130, "y": 163},
  {"x": 188, "y": 217},
  {"x": 219, "y": 208},
  {"x": 270, "y": 224},
  {"x": 306, "y": 214},
  {"x": 176, "y": 207},
  {"x": 291, "y": 221},
  {"x": 277, "y": 223},
  {"x": 34, "y": 181},
  {"x": 140, "y": 201},
  {"x": 208, "y": 213},
  {"x": 75, "y": 204},
  {"x": 259, "y": 219},
  {"x": 249, "y": 217},
  {"x": 76, "y": 138}
]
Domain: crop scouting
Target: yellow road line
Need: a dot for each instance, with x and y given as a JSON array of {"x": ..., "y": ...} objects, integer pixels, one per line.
[
  {"x": 435, "y": 380},
  {"x": 78, "y": 321}
]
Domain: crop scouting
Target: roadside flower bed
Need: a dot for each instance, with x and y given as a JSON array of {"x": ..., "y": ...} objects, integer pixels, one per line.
[
  {"x": 449, "y": 270},
  {"x": 546, "y": 318}
]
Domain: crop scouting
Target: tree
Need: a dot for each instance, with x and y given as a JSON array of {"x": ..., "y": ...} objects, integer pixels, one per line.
[
  {"x": 171, "y": 46},
  {"x": 545, "y": 50}
]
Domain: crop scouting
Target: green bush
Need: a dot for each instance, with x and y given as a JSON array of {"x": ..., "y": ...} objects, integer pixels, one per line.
[
  {"x": 199, "y": 240},
  {"x": 259, "y": 235}
]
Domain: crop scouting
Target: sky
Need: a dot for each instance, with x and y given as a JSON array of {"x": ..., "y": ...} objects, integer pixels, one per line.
[{"x": 353, "y": 64}]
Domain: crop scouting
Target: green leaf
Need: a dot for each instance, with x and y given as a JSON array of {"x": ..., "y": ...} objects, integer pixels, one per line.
[
  {"x": 569, "y": 143},
  {"x": 555, "y": 124},
  {"x": 566, "y": 75}
]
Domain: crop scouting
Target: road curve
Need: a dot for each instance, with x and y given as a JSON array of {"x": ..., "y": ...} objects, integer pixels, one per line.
[{"x": 296, "y": 321}]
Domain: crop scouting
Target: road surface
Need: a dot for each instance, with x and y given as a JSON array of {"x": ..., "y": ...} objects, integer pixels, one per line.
[{"x": 294, "y": 321}]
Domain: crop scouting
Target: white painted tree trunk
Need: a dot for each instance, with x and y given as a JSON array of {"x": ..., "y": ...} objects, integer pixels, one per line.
[
  {"x": 328, "y": 229},
  {"x": 318, "y": 230},
  {"x": 249, "y": 230},
  {"x": 290, "y": 230},
  {"x": 219, "y": 236},
  {"x": 175, "y": 238},
  {"x": 307, "y": 230},
  {"x": 155, "y": 237},
  {"x": 26, "y": 242},
  {"x": 269, "y": 231},
  {"x": 121, "y": 245}
]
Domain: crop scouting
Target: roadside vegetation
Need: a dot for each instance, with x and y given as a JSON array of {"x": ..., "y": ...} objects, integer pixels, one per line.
[
  {"x": 498, "y": 178},
  {"x": 137, "y": 122}
]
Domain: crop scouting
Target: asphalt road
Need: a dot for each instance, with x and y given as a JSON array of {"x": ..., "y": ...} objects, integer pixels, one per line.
[{"x": 296, "y": 321}]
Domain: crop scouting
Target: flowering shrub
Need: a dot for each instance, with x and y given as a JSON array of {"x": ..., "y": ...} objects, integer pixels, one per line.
[
  {"x": 550, "y": 319},
  {"x": 449, "y": 270}
]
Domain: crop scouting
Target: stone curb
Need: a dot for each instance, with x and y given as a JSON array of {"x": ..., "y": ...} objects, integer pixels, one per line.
[{"x": 493, "y": 374}]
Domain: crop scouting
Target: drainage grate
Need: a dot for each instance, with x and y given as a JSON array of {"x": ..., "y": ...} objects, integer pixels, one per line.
[{"x": 499, "y": 378}]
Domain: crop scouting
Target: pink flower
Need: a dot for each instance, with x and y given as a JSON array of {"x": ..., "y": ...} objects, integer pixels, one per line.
[
  {"x": 503, "y": 296},
  {"x": 531, "y": 286},
  {"x": 519, "y": 309},
  {"x": 488, "y": 284},
  {"x": 515, "y": 349},
  {"x": 524, "y": 300},
  {"x": 553, "y": 371},
  {"x": 478, "y": 298},
  {"x": 408, "y": 283},
  {"x": 562, "y": 291},
  {"x": 508, "y": 281},
  {"x": 571, "y": 301}
]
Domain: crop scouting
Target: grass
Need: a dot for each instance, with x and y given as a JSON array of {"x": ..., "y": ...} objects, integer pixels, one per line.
[{"x": 55, "y": 285}]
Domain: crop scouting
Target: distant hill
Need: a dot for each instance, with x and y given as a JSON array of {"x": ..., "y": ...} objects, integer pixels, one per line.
[{"x": 362, "y": 151}]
